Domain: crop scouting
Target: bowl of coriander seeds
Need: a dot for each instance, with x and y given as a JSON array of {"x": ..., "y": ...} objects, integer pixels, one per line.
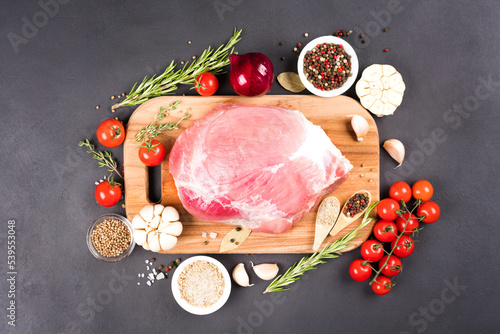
[
  {"x": 328, "y": 66},
  {"x": 110, "y": 238}
]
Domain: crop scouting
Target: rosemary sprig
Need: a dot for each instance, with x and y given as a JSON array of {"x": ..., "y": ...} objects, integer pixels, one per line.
[
  {"x": 307, "y": 263},
  {"x": 105, "y": 158},
  {"x": 166, "y": 83},
  {"x": 153, "y": 130}
]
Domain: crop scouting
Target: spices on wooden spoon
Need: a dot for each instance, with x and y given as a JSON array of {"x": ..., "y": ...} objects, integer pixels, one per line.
[
  {"x": 355, "y": 206},
  {"x": 326, "y": 217}
]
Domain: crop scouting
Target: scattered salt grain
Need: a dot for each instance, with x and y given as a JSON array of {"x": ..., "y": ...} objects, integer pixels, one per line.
[
  {"x": 147, "y": 267},
  {"x": 160, "y": 276},
  {"x": 148, "y": 283},
  {"x": 138, "y": 283},
  {"x": 204, "y": 235},
  {"x": 213, "y": 235}
]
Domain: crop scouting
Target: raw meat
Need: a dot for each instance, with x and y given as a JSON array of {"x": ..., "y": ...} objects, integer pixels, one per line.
[{"x": 257, "y": 166}]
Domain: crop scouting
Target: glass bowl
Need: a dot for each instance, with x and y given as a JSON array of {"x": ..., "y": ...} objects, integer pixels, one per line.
[
  {"x": 354, "y": 66},
  {"x": 94, "y": 251}
]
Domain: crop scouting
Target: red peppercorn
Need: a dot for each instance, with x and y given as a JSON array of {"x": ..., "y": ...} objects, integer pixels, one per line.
[
  {"x": 341, "y": 45},
  {"x": 386, "y": 50}
]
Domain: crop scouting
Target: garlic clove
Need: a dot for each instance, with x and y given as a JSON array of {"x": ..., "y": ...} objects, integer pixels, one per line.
[
  {"x": 146, "y": 246},
  {"x": 150, "y": 235},
  {"x": 396, "y": 150},
  {"x": 170, "y": 214},
  {"x": 147, "y": 213},
  {"x": 154, "y": 243},
  {"x": 167, "y": 241},
  {"x": 240, "y": 275},
  {"x": 138, "y": 222},
  {"x": 140, "y": 237},
  {"x": 158, "y": 208},
  {"x": 174, "y": 228},
  {"x": 155, "y": 222},
  {"x": 265, "y": 271},
  {"x": 360, "y": 126}
]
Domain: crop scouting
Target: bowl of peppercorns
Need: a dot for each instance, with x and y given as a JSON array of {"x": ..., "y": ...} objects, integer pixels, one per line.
[
  {"x": 328, "y": 66},
  {"x": 110, "y": 238}
]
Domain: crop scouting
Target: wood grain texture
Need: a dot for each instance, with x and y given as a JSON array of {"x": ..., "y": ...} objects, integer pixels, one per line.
[{"x": 329, "y": 113}]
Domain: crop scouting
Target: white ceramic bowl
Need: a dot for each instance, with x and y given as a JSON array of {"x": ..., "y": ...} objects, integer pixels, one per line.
[
  {"x": 354, "y": 66},
  {"x": 198, "y": 310}
]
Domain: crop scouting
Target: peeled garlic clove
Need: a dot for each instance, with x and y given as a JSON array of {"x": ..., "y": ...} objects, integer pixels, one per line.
[
  {"x": 240, "y": 275},
  {"x": 138, "y": 222},
  {"x": 140, "y": 237},
  {"x": 360, "y": 126},
  {"x": 154, "y": 243},
  {"x": 146, "y": 246},
  {"x": 158, "y": 208},
  {"x": 167, "y": 241},
  {"x": 170, "y": 214},
  {"x": 155, "y": 222},
  {"x": 174, "y": 228},
  {"x": 265, "y": 271},
  {"x": 147, "y": 213},
  {"x": 396, "y": 150}
]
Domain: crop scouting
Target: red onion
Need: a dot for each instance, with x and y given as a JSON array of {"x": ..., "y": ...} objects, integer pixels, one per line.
[{"x": 251, "y": 74}]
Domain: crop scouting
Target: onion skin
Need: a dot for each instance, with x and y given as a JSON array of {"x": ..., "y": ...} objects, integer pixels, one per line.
[{"x": 251, "y": 74}]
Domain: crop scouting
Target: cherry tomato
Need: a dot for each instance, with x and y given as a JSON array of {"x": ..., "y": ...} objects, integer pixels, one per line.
[
  {"x": 404, "y": 246},
  {"x": 400, "y": 191},
  {"x": 360, "y": 270},
  {"x": 393, "y": 266},
  {"x": 430, "y": 210},
  {"x": 372, "y": 250},
  {"x": 387, "y": 208},
  {"x": 407, "y": 224},
  {"x": 382, "y": 285},
  {"x": 385, "y": 231},
  {"x": 152, "y": 153},
  {"x": 206, "y": 84},
  {"x": 110, "y": 133},
  {"x": 422, "y": 190},
  {"x": 107, "y": 194}
]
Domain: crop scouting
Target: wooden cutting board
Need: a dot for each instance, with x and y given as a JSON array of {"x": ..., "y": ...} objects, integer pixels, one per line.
[{"x": 329, "y": 113}]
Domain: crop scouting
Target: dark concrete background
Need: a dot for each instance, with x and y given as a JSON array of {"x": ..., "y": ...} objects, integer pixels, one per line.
[{"x": 86, "y": 51}]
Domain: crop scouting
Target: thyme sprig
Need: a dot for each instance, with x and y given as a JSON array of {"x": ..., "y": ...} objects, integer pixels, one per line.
[
  {"x": 153, "y": 130},
  {"x": 104, "y": 158},
  {"x": 166, "y": 83},
  {"x": 307, "y": 263}
]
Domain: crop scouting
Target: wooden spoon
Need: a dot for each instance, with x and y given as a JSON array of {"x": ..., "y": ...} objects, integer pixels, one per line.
[
  {"x": 344, "y": 220},
  {"x": 326, "y": 217}
]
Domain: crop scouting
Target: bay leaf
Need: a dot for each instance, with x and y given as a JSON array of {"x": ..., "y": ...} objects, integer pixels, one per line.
[{"x": 291, "y": 82}]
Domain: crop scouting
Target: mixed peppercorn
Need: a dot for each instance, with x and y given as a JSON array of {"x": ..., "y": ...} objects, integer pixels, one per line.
[
  {"x": 327, "y": 66},
  {"x": 356, "y": 203}
]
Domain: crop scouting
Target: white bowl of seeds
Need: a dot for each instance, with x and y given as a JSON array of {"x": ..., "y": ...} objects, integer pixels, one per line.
[
  {"x": 328, "y": 66},
  {"x": 201, "y": 285}
]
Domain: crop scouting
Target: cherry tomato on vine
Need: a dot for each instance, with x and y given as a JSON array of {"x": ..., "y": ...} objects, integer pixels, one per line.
[
  {"x": 430, "y": 210},
  {"x": 372, "y": 250},
  {"x": 110, "y": 133},
  {"x": 393, "y": 266},
  {"x": 404, "y": 247},
  {"x": 382, "y": 285},
  {"x": 400, "y": 191},
  {"x": 206, "y": 84},
  {"x": 152, "y": 153},
  {"x": 385, "y": 231},
  {"x": 107, "y": 194},
  {"x": 422, "y": 190},
  {"x": 407, "y": 224},
  {"x": 360, "y": 270},
  {"x": 386, "y": 209}
]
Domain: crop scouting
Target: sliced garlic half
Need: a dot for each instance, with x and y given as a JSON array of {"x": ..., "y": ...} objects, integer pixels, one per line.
[
  {"x": 156, "y": 227},
  {"x": 380, "y": 89}
]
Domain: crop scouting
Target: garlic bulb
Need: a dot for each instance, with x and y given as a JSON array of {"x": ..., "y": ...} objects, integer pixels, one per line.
[
  {"x": 156, "y": 227},
  {"x": 265, "y": 271},
  {"x": 360, "y": 126},
  {"x": 240, "y": 275},
  {"x": 396, "y": 150},
  {"x": 380, "y": 89}
]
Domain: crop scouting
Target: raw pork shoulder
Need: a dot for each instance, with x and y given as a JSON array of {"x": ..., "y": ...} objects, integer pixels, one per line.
[{"x": 257, "y": 166}]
